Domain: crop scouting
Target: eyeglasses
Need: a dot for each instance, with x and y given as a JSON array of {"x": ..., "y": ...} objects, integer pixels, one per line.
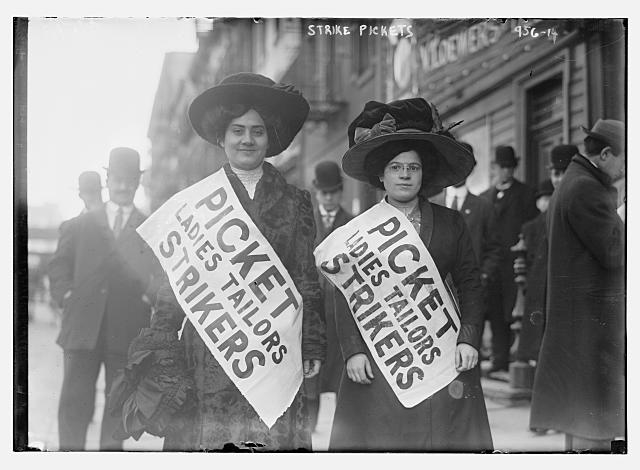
[{"x": 399, "y": 167}]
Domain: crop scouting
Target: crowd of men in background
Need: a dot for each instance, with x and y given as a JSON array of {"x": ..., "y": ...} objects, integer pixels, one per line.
[{"x": 103, "y": 277}]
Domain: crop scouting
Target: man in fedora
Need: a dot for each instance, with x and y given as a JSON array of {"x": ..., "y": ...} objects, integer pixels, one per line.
[
  {"x": 329, "y": 215},
  {"x": 101, "y": 276},
  {"x": 579, "y": 387},
  {"x": 90, "y": 190},
  {"x": 513, "y": 203}
]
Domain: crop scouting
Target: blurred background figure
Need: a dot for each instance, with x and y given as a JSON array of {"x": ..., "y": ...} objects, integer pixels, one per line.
[
  {"x": 90, "y": 190},
  {"x": 101, "y": 277},
  {"x": 533, "y": 267},
  {"x": 329, "y": 215},
  {"x": 534, "y": 264},
  {"x": 561, "y": 156},
  {"x": 514, "y": 204},
  {"x": 480, "y": 218}
]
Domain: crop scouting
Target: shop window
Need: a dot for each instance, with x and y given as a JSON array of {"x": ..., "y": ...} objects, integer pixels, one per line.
[{"x": 545, "y": 114}]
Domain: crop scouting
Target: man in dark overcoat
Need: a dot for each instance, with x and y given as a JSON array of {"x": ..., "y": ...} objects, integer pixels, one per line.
[
  {"x": 579, "y": 387},
  {"x": 534, "y": 235},
  {"x": 101, "y": 275},
  {"x": 329, "y": 215},
  {"x": 480, "y": 219},
  {"x": 513, "y": 203}
]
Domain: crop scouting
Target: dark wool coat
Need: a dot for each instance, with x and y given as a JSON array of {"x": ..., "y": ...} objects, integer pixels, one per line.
[
  {"x": 478, "y": 213},
  {"x": 533, "y": 320},
  {"x": 107, "y": 279},
  {"x": 370, "y": 417},
  {"x": 332, "y": 369},
  {"x": 480, "y": 219},
  {"x": 284, "y": 215},
  {"x": 580, "y": 379},
  {"x": 517, "y": 206}
]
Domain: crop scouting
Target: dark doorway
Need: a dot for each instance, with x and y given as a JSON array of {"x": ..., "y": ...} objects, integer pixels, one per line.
[{"x": 544, "y": 126}]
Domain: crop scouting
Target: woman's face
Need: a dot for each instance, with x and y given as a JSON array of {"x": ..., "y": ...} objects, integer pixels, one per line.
[
  {"x": 245, "y": 141},
  {"x": 402, "y": 177}
]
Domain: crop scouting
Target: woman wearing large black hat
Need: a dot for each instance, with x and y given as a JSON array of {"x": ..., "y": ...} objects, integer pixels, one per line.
[
  {"x": 401, "y": 147},
  {"x": 250, "y": 117}
]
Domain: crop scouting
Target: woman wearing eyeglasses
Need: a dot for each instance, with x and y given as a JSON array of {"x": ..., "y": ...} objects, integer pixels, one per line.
[{"x": 401, "y": 147}]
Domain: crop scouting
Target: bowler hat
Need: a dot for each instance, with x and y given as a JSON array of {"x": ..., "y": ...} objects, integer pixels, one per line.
[
  {"x": 89, "y": 182},
  {"x": 124, "y": 161},
  {"x": 328, "y": 177},
  {"x": 414, "y": 120},
  {"x": 561, "y": 156},
  {"x": 505, "y": 157},
  {"x": 545, "y": 188},
  {"x": 610, "y": 132},
  {"x": 283, "y": 101}
]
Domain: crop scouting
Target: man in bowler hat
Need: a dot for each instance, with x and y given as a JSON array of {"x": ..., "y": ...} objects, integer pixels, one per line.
[
  {"x": 101, "y": 276},
  {"x": 90, "y": 190},
  {"x": 579, "y": 387},
  {"x": 329, "y": 215},
  {"x": 514, "y": 204},
  {"x": 561, "y": 156}
]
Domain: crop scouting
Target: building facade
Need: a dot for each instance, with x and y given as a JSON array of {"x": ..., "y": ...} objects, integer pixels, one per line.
[{"x": 529, "y": 84}]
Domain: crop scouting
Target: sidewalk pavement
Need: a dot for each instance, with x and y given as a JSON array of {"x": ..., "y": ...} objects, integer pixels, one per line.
[{"x": 509, "y": 422}]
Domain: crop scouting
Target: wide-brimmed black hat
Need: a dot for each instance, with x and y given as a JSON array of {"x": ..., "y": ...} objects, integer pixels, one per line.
[
  {"x": 283, "y": 101},
  {"x": 561, "y": 156},
  {"x": 610, "y": 132},
  {"x": 412, "y": 119},
  {"x": 124, "y": 161},
  {"x": 505, "y": 157},
  {"x": 328, "y": 177}
]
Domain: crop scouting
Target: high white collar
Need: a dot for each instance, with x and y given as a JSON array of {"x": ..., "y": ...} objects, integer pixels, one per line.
[{"x": 249, "y": 178}]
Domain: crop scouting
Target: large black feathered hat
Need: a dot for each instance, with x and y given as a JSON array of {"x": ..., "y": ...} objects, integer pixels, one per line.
[
  {"x": 283, "y": 101},
  {"x": 412, "y": 119}
]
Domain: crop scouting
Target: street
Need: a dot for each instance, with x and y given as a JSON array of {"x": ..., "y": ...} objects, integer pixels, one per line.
[{"x": 509, "y": 423}]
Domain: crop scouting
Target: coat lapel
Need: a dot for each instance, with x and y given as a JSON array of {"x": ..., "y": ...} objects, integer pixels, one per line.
[
  {"x": 130, "y": 227},
  {"x": 98, "y": 241},
  {"x": 102, "y": 224},
  {"x": 270, "y": 188},
  {"x": 426, "y": 228},
  {"x": 341, "y": 218}
]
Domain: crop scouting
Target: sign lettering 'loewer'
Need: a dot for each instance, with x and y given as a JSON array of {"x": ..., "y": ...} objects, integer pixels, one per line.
[
  {"x": 401, "y": 305},
  {"x": 234, "y": 289}
]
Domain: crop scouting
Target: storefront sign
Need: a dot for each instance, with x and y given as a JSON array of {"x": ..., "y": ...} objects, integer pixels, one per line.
[{"x": 438, "y": 51}]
